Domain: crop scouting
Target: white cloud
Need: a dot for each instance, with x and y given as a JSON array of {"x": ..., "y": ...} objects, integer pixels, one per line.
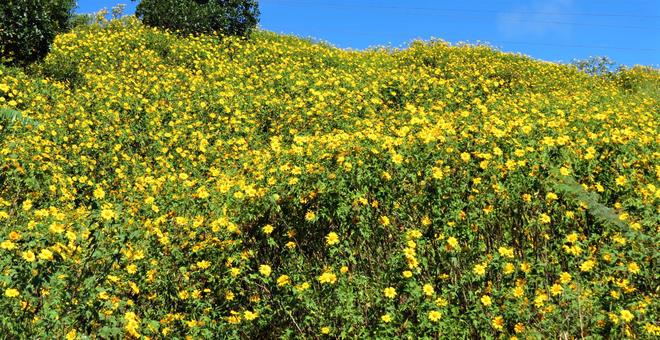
[{"x": 532, "y": 20}]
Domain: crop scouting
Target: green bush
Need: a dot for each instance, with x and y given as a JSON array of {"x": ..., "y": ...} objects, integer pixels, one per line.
[
  {"x": 28, "y": 27},
  {"x": 232, "y": 17}
]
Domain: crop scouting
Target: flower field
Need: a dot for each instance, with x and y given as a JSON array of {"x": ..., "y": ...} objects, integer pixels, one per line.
[{"x": 154, "y": 186}]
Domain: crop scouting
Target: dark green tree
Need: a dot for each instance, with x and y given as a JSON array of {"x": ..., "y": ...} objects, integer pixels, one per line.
[
  {"x": 230, "y": 17},
  {"x": 28, "y": 28}
]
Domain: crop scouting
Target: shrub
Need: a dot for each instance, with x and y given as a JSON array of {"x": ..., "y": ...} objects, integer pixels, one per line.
[
  {"x": 28, "y": 27},
  {"x": 232, "y": 17},
  {"x": 277, "y": 188}
]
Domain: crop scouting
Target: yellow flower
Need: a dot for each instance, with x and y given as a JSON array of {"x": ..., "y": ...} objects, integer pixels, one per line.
[
  {"x": 310, "y": 216},
  {"x": 465, "y": 157},
  {"x": 56, "y": 228},
  {"x": 407, "y": 274},
  {"x": 614, "y": 318},
  {"x": 565, "y": 278},
  {"x": 572, "y": 238},
  {"x": 386, "y": 318},
  {"x": 509, "y": 268},
  {"x": 250, "y": 315},
  {"x": 202, "y": 193},
  {"x": 107, "y": 214},
  {"x": 544, "y": 218},
  {"x": 498, "y": 323},
  {"x": 452, "y": 242},
  {"x": 413, "y": 234},
  {"x": 556, "y": 289},
  {"x": 27, "y": 205},
  {"x": 389, "y": 292},
  {"x": 540, "y": 300},
  {"x": 328, "y": 277},
  {"x": 621, "y": 180},
  {"x": 99, "y": 193},
  {"x": 486, "y": 301},
  {"x": 267, "y": 229},
  {"x": 426, "y": 221},
  {"x": 72, "y": 334},
  {"x": 519, "y": 328},
  {"x": 626, "y": 315},
  {"x": 131, "y": 269},
  {"x": 525, "y": 267},
  {"x": 428, "y": 290},
  {"x": 587, "y": 265},
  {"x": 518, "y": 292},
  {"x": 283, "y": 280},
  {"x": 652, "y": 329},
  {"x": 234, "y": 272},
  {"x": 265, "y": 270},
  {"x": 441, "y": 302},
  {"x": 633, "y": 268},
  {"x": 615, "y": 295},
  {"x": 479, "y": 269},
  {"x": 343, "y": 269},
  {"x": 332, "y": 238},
  {"x": 234, "y": 318},
  {"x": 14, "y": 236},
  {"x": 303, "y": 286},
  {"x": 132, "y": 324},
  {"x": 435, "y": 316},
  {"x": 384, "y": 220},
  {"x": 203, "y": 264},
  {"x": 8, "y": 245},
  {"x": 325, "y": 330},
  {"x": 46, "y": 255},
  {"x": 28, "y": 256},
  {"x": 505, "y": 252},
  {"x": 12, "y": 293}
]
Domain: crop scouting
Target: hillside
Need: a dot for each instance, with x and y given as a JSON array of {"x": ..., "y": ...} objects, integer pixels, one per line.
[{"x": 160, "y": 186}]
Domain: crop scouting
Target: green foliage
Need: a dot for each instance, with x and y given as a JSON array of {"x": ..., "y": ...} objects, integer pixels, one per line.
[
  {"x": 638, "y": 79},
  {"x": 574, "y": 192},
  {"x": 231, "y": 17},
  {"x": 10, "y": 116},
  {"x": 78, "y": 20},
  {"x": 28, "y": 27}
]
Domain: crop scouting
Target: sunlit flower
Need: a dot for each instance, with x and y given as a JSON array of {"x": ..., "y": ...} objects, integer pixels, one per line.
[
  {"x": 265, "y": 270},
  {"x": 332, "y": 238},
  {"x": 11, "y": 292},
  {"x": 435, "y": 316}
]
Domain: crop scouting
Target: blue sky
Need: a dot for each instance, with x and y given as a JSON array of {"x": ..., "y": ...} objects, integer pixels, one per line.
[{"x": 627, "y": 31}]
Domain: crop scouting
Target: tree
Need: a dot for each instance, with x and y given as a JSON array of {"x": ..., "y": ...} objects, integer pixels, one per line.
[
  {"x": 28, "y": 28},
  {"x": 231, "y": 17},
  {"x": 595, "y": 66}
]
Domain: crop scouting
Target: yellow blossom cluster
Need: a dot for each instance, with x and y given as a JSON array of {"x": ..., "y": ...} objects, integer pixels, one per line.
[{"x": 160, "y": 186}]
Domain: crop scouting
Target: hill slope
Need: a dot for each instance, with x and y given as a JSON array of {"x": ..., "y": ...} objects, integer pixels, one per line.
[{"x": 163, "y": 186}]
